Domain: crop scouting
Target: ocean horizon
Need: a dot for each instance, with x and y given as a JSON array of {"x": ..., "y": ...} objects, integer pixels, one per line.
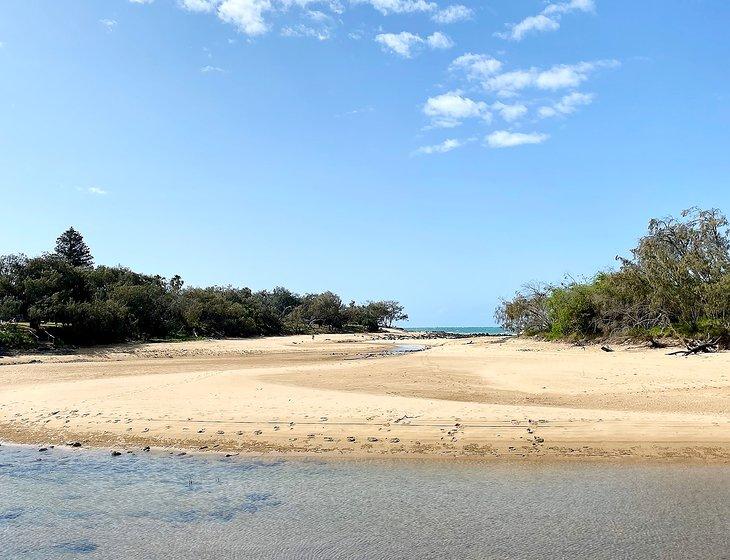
[{"x": 458, "y": 330}]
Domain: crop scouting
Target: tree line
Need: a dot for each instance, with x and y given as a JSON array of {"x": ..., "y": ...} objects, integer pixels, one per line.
[
  {"x": 676, "y": 282},
  {"x": 62, "y": 297}
]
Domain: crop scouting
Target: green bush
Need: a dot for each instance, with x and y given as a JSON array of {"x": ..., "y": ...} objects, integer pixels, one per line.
[
  {"x": 677, "y": 282},
  {"x": 95, "y": 305},
  {"x": 14, "y": 337}
]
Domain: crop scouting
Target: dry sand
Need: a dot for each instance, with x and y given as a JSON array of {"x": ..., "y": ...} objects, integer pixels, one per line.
[{"x": 340, "y": 395}]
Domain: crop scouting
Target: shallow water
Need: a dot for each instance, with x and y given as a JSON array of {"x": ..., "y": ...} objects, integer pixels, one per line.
[
  {"x": 86, "y": 504},
  {"x": 399, "y": 349}
]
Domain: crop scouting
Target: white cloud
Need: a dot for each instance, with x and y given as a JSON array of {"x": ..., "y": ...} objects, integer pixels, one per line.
[
  {"x": 400, "y": 43},
  {"x": 449, "y": 109},
  {"x": 110, "y": 24},
  {"x": 439, "y": 40},
  {"x": 301, "y": 30},
  {"x": 386, "y": 7},
  {"x": 510, "y": 112},
  {"x": 556, "y": 77},
  {"x": 246, "y": 15},
  {"x": 547, "y": 20},
  {"x": 141, "y": 1},
  {"x": 199, "y": 5},
  {"x": 442, "y": 148},
  {"x": 211, "y": 69},
  {"x": 508, "y": 83},
  {"x": 405, "y": 43},
  {"x": 572, "y": 6},
  {"x": 96, "y": 190},
  {"x": 567, "y": 105},
  {"x": 453, "y": 14},
  {"x": 529, "y": 24},
  {"x": 506, "y": 139},
  {"x": 476, "y": 66}
]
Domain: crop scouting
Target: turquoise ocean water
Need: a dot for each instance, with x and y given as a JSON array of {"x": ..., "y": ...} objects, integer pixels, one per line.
[{"x": 459, "y": 330}]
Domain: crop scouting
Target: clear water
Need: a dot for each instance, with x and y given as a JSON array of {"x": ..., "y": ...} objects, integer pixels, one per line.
[
  {"x": 86, "y": 504},
  {"x": 459, "y": 330}
]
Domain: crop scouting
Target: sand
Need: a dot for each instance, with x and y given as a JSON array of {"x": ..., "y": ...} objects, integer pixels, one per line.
[{"x": 345, "y": 396}]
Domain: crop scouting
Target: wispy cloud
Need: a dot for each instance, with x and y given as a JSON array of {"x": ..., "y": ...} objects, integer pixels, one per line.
[
  {"x": 567, "y": 105},
  {"x": 358, "y": 111},
  {"x": 406, "y": 44},
  {"x": 453, "y": 14},
  {"x": 386, "y": 7},
  {"x": 476, "y": 66},
  {"x": 210, "y": 69},
  {"x": 199, "y": 5},
  {"x": 547, "y": 20},
  {"x": 109, "y": 24},
  {"x": 556, "y": 77},
  {"x": 442, "y": 148},
  {"x": 507, "y": 139},
  {"x": 301, "y": 30},
  {"x": 141, "y": 1},
  {"x": 254, "y": 17},
  {"x": 96, "y": 191}
]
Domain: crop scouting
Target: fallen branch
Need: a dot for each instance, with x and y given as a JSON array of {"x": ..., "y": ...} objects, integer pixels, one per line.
[{"x": 707, "y": 347}]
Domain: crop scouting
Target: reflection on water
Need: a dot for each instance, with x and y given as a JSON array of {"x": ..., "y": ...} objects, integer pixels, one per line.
[
  {"x": 406, "y": 348},
  {"x": 87, "y": 504}
]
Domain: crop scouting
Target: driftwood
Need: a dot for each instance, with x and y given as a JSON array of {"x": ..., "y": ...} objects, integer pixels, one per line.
[
  {"x": 695, "y": 347},
  {"x": 654, "y": 344},
  {"x": 606, "y": 348}
]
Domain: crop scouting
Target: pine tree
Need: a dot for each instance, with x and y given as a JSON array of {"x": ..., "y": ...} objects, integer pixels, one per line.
[{"x": 71, "y": 246}]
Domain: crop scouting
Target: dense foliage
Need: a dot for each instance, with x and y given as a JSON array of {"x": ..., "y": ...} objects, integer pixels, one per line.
[
  {"x": 62, "y": 297},
  {"x": 676, "y": 281}
]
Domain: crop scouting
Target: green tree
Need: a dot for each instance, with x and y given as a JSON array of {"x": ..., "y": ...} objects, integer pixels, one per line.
[{"x": 71, "y": 246}]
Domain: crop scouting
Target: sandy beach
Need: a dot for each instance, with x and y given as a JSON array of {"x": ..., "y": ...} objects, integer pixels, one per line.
[{"x": 350, "y": 395}]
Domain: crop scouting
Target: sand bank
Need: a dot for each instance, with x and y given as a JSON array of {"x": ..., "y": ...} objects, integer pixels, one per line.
[{"x": 344, "y": 395}]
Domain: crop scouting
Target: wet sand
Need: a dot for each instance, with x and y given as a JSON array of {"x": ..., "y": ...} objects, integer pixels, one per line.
[{"x": 347, "y": 396}]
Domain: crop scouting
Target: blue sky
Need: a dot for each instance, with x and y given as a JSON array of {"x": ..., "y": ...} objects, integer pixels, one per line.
[{"x": 436, "y": 153}]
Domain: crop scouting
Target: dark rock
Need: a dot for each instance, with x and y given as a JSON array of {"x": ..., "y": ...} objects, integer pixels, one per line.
[
  {"x": 146, "y": 448},
  {"x": 116, "y": 453},
  {"x": 43, "y": 449},
  {"x": 75, "y": 444}
]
